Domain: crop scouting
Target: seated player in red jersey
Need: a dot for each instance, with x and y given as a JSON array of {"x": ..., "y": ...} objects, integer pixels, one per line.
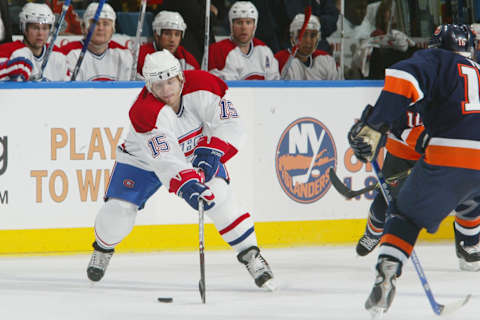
[
  {"x": 105, "y": 59},
  {"x": 21, "y": 60},
  {"x": 242, "y": 57},
  {"x": 309, "y": 63},
  {"x": 168, "y": 30}
]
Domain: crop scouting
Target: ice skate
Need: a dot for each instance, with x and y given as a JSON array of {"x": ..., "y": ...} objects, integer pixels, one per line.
[
  {"x": 98, "y": 263},
  {"x": 366, "y": 244},
  {"x": 257, "y": 267},
  {"x": 383, "y": 291},
  {"x": 468, "y": 256}
]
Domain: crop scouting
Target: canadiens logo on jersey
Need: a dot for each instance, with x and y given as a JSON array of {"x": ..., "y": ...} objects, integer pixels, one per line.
[
  {"x": 129, "y": 183},
  {"x": 304, "y": 153}
]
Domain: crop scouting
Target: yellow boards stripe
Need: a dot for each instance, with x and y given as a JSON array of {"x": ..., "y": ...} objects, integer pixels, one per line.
[{"x": 185, "y": 237}]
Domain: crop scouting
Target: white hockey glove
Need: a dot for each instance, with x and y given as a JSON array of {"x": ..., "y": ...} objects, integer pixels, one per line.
[{"x": 365, "y": 141}]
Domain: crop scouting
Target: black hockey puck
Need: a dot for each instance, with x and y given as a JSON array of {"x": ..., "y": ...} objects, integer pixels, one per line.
[{"x": 165, "y": 299}]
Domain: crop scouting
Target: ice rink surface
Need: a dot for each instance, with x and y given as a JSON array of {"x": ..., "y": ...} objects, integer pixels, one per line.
[{"x": 327, "y": 282}]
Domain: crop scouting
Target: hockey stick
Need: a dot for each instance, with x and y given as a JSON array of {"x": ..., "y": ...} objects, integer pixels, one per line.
[
  {"x": 87, "y": 40},
  {"x": 207, "y": 36},
  {"x": 342, "y": 39},
  {"x": 438, "y": 309},
  {"x": 344, "y": 190},
  {"x": 349, "y": 193},
  {"x": 141, "y": 18},
  {"x": 392, "y": 16},
  {"x": 308, "y": 14},
  {"x": 201, "y": 234},
  {"x": 56, "y": 30}
]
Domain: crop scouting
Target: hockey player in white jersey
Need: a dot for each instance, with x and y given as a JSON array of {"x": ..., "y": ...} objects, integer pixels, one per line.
[
  {"x": 168, "y": 30},
  {"x": 180, "y": 123},
  {"x": 22, "y": 59},
  {"x": 105, "y": 59},
  {"x": 242, "y": 57},
  {"x": 309, "y": 63}
]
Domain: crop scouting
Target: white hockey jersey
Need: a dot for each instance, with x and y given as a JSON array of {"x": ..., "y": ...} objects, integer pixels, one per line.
[
  {"x": 55, "y": 70},
  {"x": 227, "y": 61},
  {"x": 320, "y": 66},
  {"x": 115, "y": 64},
  {"x": 163, "y": 141}
]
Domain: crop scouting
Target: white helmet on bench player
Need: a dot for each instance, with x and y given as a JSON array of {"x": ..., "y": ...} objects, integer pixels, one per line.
[
  {"x": 168, "y": 20},
  {"x": 161, "y": 65},
  {"x": 242, "y": 9},
  {"x": 106, "y": 13},
  {"x": 35, "y": 13},
  {"x": 297, "y": 24}
]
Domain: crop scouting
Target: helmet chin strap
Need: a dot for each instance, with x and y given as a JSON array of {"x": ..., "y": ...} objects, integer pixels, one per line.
[{"x": 297, "y": 53}]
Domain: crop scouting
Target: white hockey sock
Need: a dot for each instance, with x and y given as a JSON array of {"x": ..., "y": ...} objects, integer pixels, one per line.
[
  {"x": 235, "y": 227},
  {"x": 114, "y": 221}
]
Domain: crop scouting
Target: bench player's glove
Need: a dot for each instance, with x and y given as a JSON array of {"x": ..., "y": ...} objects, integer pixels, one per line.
[
  {"x": 17, "y": 69},
  {"x": 364, "y": 140},
  {"x": 208, "y": 154},
  {"x": 186, "y": 184}
]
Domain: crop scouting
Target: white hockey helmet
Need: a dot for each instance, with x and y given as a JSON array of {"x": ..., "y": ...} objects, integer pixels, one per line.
[
  {"x": 242, "y": 9},
  {"x": 106, "y": 13},
  {"x": 168, "y": 20},
  {"x": 161, "y": 65},
  {"x": 297, "y": 23},
  {"x": 35, "y": 13}
]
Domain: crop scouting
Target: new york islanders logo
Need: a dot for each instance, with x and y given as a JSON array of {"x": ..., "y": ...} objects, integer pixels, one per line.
[{"x": 304, "y": 153}]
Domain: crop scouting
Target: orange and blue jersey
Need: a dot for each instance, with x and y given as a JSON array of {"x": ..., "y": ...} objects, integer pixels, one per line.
[
  {"x": 447, "y": 84},
  {"x": 403, "y": 136}
]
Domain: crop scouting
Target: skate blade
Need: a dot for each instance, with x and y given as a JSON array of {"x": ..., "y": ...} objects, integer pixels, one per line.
[
  {"x": 377, "y": 313},
  {"x": 469, "y": 266},
  {"x": 269, "y": 285}
]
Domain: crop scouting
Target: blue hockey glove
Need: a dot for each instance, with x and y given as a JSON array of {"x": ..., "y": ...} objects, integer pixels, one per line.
[
  {"x": 208, "y": 154},
  {"x": 186, "y": 184}
]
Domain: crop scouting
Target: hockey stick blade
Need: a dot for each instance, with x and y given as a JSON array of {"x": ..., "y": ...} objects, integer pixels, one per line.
[
  {"x": 343, "y": 189},
  {"x": 201, "y": 288},
  {"x": 201, "y": 233},
  {"x": 454, "y": 306}
]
